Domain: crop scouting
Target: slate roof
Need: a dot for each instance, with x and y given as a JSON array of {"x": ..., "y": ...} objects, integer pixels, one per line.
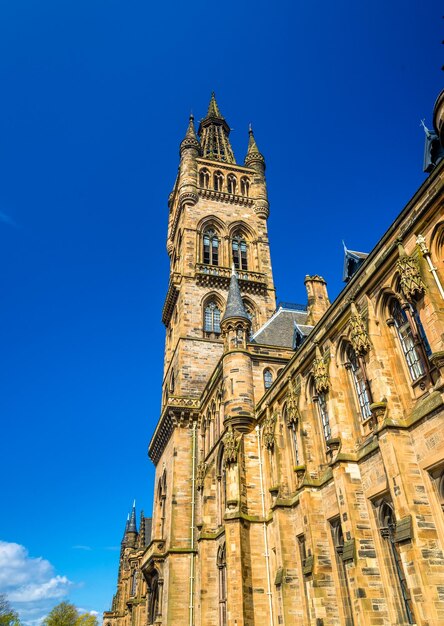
[
  {"x": 279, "y": 330},
  {"x": 235, "y": 306}
]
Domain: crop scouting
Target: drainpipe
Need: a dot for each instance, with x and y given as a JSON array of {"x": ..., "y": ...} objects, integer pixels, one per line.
[
  {"x": 193, "y": 481},
  {"x": 420, "y": 240},
  {"x": 267, "y": 554}
]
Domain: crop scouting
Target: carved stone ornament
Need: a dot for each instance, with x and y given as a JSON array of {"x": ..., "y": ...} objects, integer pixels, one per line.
[
  {"x": 268, "y": 431},
  {"x": 292, "y": 413},
  {"x": 411, "y": 282},
  {"x": 320, "y": 373},
  {"x": 200, "y": 475},
  {"x": 359, "y": 336},
  {"x": 231, "y": 446}
]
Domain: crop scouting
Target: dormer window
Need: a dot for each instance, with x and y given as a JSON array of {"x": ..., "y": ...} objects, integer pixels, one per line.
[
  {"x": 218, "y": 181},
  {"x": 231, "y": 183}
]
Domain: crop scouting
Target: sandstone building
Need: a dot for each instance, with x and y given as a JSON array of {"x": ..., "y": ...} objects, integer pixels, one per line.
[{"x": 299, "y": 451}]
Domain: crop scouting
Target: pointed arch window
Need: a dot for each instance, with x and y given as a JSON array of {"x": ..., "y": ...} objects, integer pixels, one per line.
[
  {"x": 210, "y": 247},
  {"x": 221, "y": 486},
  {"x": 222, "y": 567},
  {"x": 411, "y": 342},
  {"x": 387, "y": 528},
  {"x": 218, "y": 181},
  {"x": 239, "y": 250},
  {"x": 321, "y": 401},
  {"x": 245, "y": 186},
  {"x": 204, "y": 178},
  {"x": 293, "y": 431},
  {"x": 212, "y": 318},
  {"x": 360, "y": 382},
  {"x": 268, "y": 378},
  {"x": 231, "y": 183},
  {"x": 153, "y": 597},
  {"x": 134, "y": 583}
]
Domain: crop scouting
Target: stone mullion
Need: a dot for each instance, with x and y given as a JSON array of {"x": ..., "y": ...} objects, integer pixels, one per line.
[
  {"x": 364, "y": 584},
  {"x": 422, "y": 555}
]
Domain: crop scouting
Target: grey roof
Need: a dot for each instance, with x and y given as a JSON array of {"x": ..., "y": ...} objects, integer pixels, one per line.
[
  {"x": 235, "y": 306},
  {"x": 279, "y": 330}
]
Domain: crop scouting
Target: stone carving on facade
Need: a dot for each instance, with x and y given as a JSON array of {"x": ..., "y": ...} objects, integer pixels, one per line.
[
  {"x": 320, "y": 373},
  {"x": 268, "y": 431},
  {"x": 359, "y": 337},
  {"x": 411, "y": 283},
  {"x": 292, "y": 413},
  {"x": 200, "y": 475},
  {"x": 231, "y": 446}
]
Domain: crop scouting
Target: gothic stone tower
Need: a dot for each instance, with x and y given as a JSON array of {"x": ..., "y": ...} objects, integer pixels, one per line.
[{"x": 218, "y": 214}]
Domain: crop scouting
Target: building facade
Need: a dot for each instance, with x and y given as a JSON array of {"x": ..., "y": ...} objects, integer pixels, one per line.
[{"x": 300, "y": 449}]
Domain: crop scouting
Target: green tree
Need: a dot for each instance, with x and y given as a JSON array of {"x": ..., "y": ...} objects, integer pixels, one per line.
[
  {"x": 86, "y": 619},
  {"x": 8, "y": 617},
  {"x": 63, "y": 614}
]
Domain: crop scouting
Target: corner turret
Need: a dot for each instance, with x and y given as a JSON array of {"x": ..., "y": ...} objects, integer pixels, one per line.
[
  {"x": 256, "y": 161},
  {"x": 237, "y": 367},
  {"x": 189, "y": 151}
]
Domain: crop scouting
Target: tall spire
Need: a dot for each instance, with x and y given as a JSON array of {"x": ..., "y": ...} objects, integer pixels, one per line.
[
  {"x": 213, "y": 109},
  {"x": 235, "y": 306},
  {"x": 214, "y": 132},
  {"x": 132, "y": 526}
]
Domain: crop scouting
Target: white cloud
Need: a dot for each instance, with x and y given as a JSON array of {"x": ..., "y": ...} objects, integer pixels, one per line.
[{"x": 29, "y": 583}]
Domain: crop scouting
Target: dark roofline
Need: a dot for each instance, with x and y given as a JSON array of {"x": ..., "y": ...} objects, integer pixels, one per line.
[{"x": 291, "y": 306}]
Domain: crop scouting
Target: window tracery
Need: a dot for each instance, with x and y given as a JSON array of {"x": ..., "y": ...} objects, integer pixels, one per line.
[
  {"x": 231, "y": 183},
  {"x": 239, "y": 251},
  {"x": 210, "y": 247},
  {"x": 245, "y": 186},
  {"x": 212, "y": 318},
  {"x": 204, "y": 178},
  {"x": 218, "y": 181}
]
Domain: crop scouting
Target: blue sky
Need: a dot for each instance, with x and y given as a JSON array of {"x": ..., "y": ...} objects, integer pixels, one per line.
[{"x": 95, "y": 100}]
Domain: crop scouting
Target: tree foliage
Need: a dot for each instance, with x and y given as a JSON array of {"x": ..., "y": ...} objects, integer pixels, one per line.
[
  {"x": 66, "y": 614},
  {"x": 8, "y": 617}
]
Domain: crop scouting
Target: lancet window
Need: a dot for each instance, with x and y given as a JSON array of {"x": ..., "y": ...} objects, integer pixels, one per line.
[
  {"x": 268, "y": 378},
  {"x": 218, "y": 181},
  {"x": 387, "y": 523},
  {"x": 204, "y": 178},
  {"x": 153, "y": 597},
  {"x": 212, "y": 318},
  {"x": 231, "y": 183},
  {"x": 239, "y": 250},
  {"x": 245, "y": 186},
  {"x": 210, "y": 247},
  {"x": 360, "y": 382},
  {"x": 222, "y": 568},
  {"x": 413, "y": 343},
  {"x": 321, "y": 400}
]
